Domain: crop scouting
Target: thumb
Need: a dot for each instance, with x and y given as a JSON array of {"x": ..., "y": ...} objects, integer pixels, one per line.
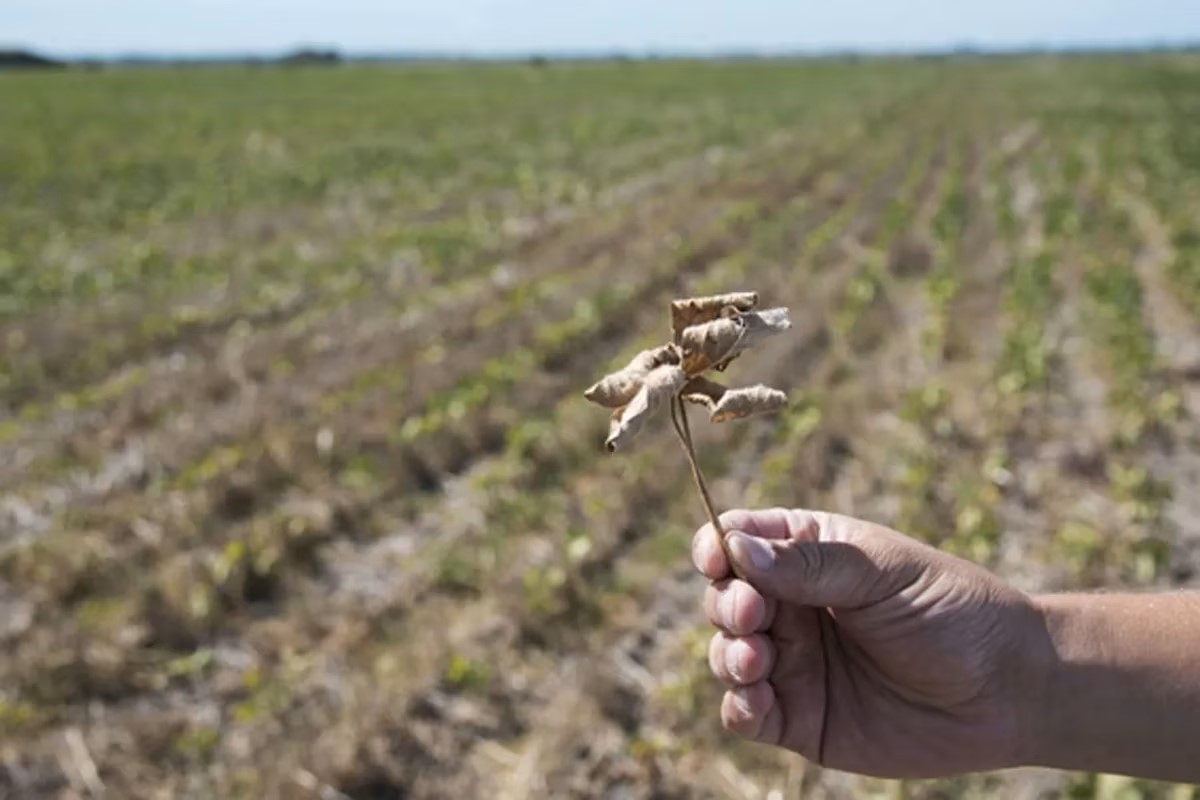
[{"x": 835, "y": 574}]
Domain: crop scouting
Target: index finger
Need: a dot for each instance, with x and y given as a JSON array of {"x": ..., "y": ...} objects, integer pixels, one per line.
[
  {"x": 707, "y": 554},
  {"x": 770, "y": 523}
]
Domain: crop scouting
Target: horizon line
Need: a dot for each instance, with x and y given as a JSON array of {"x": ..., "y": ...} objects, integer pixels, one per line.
[{"x": 594, "y": 53}]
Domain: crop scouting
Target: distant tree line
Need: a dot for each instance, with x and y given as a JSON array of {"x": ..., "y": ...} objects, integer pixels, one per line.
[
  {"x": 308, "y": 56},
  {"x": 27, "y": 59},
  {"x": 24, "y": 59}
]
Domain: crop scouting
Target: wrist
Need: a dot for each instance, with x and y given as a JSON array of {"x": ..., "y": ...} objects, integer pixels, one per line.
[
  {"x": 1115, "y": 694},
  {"x": 1042, "y": 679},
  {"x": 1060, "y": 645}
]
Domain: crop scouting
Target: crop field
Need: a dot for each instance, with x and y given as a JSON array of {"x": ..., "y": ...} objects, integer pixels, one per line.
[{"x": 300, "y": 497}]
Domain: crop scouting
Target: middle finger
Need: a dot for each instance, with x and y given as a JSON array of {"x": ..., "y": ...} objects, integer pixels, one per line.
[
  {"x": 737, "y": 607},
  {"x": 741, "y": 660}
]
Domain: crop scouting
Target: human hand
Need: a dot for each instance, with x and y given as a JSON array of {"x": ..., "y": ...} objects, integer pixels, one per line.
[{"x": 865, "y": 650}]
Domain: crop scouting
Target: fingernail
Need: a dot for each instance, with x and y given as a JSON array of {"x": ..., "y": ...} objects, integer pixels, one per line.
[{"x": 753, "y": 550}]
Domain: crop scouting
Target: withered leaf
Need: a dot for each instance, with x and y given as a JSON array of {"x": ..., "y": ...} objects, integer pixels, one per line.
[
  {"x": 759, "y": 326},
  {"x": 701, "y": 391},
  {"x": 738, "y": 403},
  {"x": 710, "y": 332},
  {"x": 725, "y": 404},
  {"x": 614, "y": 426},
  {"x": 659, "y": 385},
  {"x": 695, "y": 310},
  {"x": 618, "y": 388},
  {"x": 713, "y": 344},
  {"x": 709, "y": 343}
]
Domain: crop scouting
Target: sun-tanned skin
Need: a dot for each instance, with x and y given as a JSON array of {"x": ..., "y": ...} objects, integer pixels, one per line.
[{"x": 867, "y": 651}]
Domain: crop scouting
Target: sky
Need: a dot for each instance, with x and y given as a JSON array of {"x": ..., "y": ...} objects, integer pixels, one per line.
[{"x": 207, "y": 27}]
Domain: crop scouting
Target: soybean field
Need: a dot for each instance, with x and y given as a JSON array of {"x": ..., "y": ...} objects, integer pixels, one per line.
[{"x": 299, "y": 494}]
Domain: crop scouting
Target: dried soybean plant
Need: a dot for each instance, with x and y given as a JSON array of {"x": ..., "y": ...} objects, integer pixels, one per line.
[{"x": 709, "y": 333}]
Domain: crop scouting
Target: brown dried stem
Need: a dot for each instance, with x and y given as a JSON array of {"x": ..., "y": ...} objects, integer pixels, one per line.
[{"x": 684, "y": 431}]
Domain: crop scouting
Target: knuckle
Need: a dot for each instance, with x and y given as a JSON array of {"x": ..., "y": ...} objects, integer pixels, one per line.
[
  {"x": 727, "y": 609},
  {"x": 807, "y": 559},
  {"x": 738, "y": 607},
  {"x": 748, "y": 659},
  {"x": 803, "y": 523},
  {"x": 829, "y": 526}
]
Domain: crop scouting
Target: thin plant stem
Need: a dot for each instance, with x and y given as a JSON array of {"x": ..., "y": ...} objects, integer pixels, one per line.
[{"x": 684, "y": 431}]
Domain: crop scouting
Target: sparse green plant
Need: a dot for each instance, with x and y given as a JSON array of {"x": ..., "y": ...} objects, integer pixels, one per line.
[
  {"x": 466, "y": 674},
  {"x": 197, "y": 743}
]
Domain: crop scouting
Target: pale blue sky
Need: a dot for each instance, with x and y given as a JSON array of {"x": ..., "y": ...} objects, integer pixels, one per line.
[{"x": 105, "y": 27}]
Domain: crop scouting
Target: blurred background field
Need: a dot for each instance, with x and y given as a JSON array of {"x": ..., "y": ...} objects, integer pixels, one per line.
[{"x": 299, "y": 496}]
